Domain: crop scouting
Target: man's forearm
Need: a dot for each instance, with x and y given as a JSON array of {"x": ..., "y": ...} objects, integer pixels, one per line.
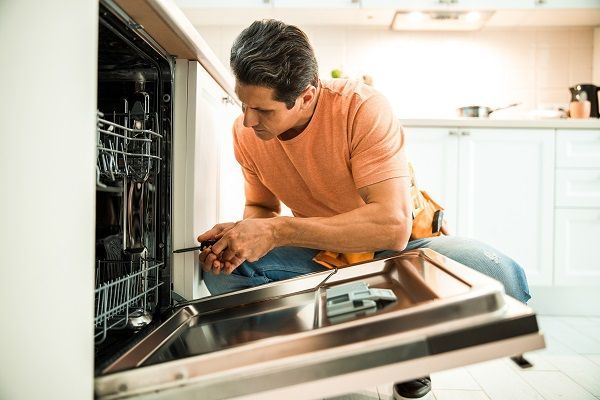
[{"x": 368, "y": 228}]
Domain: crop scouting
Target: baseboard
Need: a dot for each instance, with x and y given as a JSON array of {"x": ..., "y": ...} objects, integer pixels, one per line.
[{"x": 576, "y": 300}]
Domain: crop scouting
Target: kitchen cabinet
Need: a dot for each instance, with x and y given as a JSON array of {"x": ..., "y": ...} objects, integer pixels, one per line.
[
  {"x": 497, "y": 186},
  {"x": 225, "y": 3},
  {"x": 478, "y": 4},
  {"x": 231, "y": 180},
  {"x": 551, "y": 173},
  {"x": 207, "y": 183},
  {"x": 265, "y": 4},
  {"x": 577, "y": 234},
  {"x": 339, "y": 4},
  {"x": 577, "y": 207},
  {"x": 577, "y": 148},
  {"x": 506, "y": 188},
  {"x": 433, "y": 152},
  {"x": 47, "y": 170},
  {"x": 566, "y": 3}
]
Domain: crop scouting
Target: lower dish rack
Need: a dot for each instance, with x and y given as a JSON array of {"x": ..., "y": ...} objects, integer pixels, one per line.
[{"x": 126, "y": 293}]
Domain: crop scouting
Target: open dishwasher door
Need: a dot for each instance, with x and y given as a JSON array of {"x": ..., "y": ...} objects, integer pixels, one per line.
[{"x": 276, "y": 341}]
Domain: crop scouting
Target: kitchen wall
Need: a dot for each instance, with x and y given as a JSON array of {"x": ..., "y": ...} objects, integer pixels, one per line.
[{"x": 430, "y": 74}]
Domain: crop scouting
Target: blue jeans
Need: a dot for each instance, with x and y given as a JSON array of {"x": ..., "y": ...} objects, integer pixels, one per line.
[{"x": 289, "y": 262}]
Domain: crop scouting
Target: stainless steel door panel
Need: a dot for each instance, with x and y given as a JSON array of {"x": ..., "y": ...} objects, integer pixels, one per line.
[
  {"x": 276, "y": 338},
  {"x": 323, "y": 377}
]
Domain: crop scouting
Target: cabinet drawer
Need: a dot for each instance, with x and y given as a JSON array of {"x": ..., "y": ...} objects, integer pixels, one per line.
[
  {"x": 579, "y": 149},
  {"x": 578, "y": 187},
  {"x": 576, "y": 238}
]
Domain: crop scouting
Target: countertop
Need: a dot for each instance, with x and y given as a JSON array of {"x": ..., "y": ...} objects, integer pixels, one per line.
[{"x": 564, "y": 123}]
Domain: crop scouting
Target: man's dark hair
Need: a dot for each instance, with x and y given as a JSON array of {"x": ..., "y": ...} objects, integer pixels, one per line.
[{"x": 273, "y": 54}]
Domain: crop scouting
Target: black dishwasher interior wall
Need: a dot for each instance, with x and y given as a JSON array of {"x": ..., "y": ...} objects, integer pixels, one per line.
[{"x": 133, "y": 183}]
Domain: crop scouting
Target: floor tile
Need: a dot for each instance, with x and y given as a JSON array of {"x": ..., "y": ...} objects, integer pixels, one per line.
[
  {"x": 460, "y": 395},
  {"x": 593, "y": 357},
  {"x": 569, "y": 336},
  {"x": 554, "y": 385},
  {"x": 501, "y": 382},
  {"x": 581, "y": 369},
  {"x": 367, "y": 394},
  {"x": 455, "y": 379}
]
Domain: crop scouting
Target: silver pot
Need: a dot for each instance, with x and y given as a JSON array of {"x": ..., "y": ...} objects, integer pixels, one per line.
[{"x": 480, "y": 111}]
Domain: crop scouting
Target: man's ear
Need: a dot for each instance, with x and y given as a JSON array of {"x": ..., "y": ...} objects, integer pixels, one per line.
[{"x": 307, "y": 97}]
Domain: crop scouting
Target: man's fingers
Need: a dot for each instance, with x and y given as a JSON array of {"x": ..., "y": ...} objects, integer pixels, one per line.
[
  {"x": 216, "y": 267},
  {"x": 221, "y": 245},
  {"x": 216, "y": 231},
  {"x": 228, "y": 255},
  {"x": 208, "y": 234},
  {"x": 232, "y": 264},
  {"x": 208, "y": 262},
  {"x": 203, "y": 254}
]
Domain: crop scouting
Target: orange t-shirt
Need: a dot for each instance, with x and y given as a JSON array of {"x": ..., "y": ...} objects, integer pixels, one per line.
[{"x": 353, "y": 140}]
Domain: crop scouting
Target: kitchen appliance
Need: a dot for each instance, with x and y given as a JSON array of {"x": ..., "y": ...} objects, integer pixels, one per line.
[
  {"x": 133, "y": 181},
  {"x": 273, "y": 341},
  {"x": 587, "y": 92},
  {"x": 480, "y": 111}
]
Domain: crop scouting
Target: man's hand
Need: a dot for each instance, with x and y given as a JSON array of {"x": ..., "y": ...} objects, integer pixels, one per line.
[
  {"x": 249, "y": 239},
  {"x": 208, "y": 259}
]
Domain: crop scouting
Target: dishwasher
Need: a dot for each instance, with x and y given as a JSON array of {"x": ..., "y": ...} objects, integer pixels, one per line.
[{"x": 307, "y": 337}]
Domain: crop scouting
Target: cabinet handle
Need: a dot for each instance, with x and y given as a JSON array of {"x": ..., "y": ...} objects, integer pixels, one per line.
[
  {"x": 465, "y": 133},
  {"x": 453, "y": 133}
]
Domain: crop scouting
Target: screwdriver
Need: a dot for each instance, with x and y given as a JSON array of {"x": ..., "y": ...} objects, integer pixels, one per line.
[{"x": 203, "y": 245}]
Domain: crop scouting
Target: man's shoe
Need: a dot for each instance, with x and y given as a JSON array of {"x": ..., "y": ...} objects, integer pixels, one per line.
[{"x": 412, "y": 389}]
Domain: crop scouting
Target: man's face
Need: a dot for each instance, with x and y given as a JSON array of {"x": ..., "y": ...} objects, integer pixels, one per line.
[{"x": 269, "y": 118}]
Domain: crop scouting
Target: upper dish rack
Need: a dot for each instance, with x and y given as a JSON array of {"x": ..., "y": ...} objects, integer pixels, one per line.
[{"x": 127, "y": 152}]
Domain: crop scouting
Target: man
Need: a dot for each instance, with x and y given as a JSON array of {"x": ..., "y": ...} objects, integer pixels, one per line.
[{"x": 333, "y": 152}]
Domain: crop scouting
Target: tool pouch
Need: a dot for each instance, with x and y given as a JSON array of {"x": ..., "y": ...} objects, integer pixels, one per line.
[{"x": 428, "y": 215}]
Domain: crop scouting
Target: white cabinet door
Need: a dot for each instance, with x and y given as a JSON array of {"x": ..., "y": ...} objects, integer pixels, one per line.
[
  {"x": 577, "y": 238},
  {"x": 506, "y": 194},
  {"x": 231, "y": 194},
  {"x": 433, "y": 153},
  {"x": 199, "y": 127}
]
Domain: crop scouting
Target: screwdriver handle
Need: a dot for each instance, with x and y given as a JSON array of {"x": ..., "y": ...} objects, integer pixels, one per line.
[{"x": 203, "y": 245}]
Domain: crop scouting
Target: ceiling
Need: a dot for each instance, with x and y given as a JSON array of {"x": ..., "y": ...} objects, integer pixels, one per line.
[{"x": 382, "y": 17}]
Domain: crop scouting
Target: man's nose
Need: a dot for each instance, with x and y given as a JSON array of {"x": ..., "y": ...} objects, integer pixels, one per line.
[{"x": 250, "y": 118}]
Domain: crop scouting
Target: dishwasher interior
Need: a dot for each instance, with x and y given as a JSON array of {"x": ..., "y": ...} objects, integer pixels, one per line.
[{"x": 133, "y": 182}]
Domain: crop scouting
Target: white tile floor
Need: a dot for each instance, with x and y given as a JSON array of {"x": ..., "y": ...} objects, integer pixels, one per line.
[{"x": 568, "y": 368}]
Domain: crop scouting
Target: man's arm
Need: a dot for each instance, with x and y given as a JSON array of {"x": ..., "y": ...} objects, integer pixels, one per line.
[
  {"x": 383, "y": 223},
  {"x": 265, "y": 207}
]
